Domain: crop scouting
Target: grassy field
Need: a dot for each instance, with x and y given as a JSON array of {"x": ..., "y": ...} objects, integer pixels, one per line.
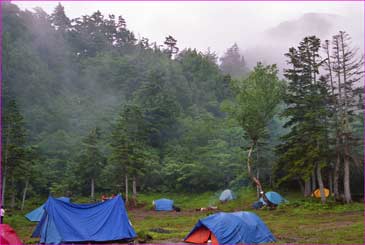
[{"x": 299, "y": 221}]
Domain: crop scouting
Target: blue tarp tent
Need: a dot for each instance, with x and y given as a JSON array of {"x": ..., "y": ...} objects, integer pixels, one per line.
[
  {"x": 226, "y": 195},
  {"x": 164, "y": 204},
  {"x": 230, "y": 228},
  {"x": 69, "y": 222},
  {"x": 37, "y": 213},
  {"x": 273, "y": 197}
]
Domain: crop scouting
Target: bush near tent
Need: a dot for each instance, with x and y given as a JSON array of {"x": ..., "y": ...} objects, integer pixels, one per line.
[
  {"x": 226, "y": 195},
  {"x": 8, "y": 235},
  {"x": 317, "y": 193},
  {"x": 163, "y": 204},
  {"x": 36, "y": 214},
  {"x": 230, "y": 228},
  {"x": 97, "y": 222}
]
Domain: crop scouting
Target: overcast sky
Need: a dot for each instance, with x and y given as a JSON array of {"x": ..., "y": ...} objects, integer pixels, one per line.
[{"x": 205, "y": 24}]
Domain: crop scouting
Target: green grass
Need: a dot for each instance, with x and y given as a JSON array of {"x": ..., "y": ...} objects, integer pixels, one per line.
[{"x": 299, "y": 221}]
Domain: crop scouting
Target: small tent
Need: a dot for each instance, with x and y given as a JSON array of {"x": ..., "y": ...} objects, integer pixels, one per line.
[
  {"x": 230, "y": 228},
  {"x": 274, "y": 198},
  {"x": 37, "y": 213},
  {"x": 64, "y": 222},
  {"x": 164, "y": 204},
  {"x": 226, "y": 195},
  {"x": 317, "y": 193},
  {"x": 8, "y": 235}
]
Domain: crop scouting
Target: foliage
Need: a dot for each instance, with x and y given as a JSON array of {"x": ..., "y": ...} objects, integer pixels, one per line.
[
  {"x": 157, "y": 109},
  {"x": 233, "y": 63},
  {"x": 257, "y": 97}
]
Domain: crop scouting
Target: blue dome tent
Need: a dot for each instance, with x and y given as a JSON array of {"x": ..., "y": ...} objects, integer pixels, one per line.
[
  {"x": 36, "y": 214},
  {"x": 274, "y": 198},
  {"x": 230, "y": 228},
  {"x": 97, "y": 222},
  {"x": 226, "y": 195},
  {"x": 164, "y": 204}
]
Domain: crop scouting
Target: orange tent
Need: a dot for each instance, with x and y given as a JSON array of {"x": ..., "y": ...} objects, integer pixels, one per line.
[
  {"x": 317, "y": 193},
  {"x": 202, "y": 235},
  {"x": 8, "y": 235}
]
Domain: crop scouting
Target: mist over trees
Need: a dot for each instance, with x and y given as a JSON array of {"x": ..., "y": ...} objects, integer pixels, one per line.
[{"x": 88, "y": 109}]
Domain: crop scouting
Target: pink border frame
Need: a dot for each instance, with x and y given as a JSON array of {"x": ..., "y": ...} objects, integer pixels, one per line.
[{"x": 1, "y": 71}]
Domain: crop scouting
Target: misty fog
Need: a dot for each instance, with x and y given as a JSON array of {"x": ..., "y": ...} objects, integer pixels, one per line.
[{"x": 262, "y": 30}]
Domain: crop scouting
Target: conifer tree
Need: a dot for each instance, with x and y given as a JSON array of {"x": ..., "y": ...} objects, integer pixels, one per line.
[
  {"x": 128, "y": 143},
  {"x": 171, "y": 49},
  {"x": 91, "y": 161},
  {"x": 233, "y": 63},
  {"x": 13, "y": 147},
  {"x": 305, "y": 147}
]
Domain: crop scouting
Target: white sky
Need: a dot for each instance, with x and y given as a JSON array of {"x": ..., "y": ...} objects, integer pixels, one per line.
[{"x": 204, "y": 24}]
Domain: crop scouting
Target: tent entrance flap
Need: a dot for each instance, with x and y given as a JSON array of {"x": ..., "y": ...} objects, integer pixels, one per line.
[{"x": 202, "y": 235}]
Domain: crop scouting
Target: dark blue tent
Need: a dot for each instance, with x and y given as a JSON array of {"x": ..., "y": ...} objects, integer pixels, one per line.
[
  {"x": 69, "y": 222},
  {"x": 37, "y": 213},
  {"x": 230, "y": 228},
  {"x": 164, "y": 204},
  {"x": 274, "y": 198},
  {"x": 226, "y": 195}
]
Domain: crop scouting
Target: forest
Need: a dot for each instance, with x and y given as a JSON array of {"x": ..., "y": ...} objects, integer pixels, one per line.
[{"x": 89, "y": 109}]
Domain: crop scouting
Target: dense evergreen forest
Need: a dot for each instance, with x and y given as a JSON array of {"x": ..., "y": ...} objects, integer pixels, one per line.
[{"x": 87, "y": 108}]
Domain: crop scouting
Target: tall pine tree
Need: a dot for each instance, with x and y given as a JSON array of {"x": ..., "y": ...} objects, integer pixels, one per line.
[{"x": 304, "y": 151}]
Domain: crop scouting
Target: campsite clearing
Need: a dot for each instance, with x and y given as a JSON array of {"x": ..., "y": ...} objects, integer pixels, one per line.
[{"x": 297, "y": 222}]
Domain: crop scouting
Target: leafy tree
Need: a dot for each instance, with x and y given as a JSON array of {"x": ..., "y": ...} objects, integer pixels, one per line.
[
  {"x": 256, "y": 100},
  {"x": 160, "y": 108},
  {"x": 205, "y": 81}
]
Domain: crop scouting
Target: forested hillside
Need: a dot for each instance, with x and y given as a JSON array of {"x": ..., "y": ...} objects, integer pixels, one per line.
[{"x": 87, "y": 108}]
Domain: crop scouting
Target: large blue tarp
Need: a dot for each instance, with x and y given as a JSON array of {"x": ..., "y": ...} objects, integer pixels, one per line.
[
  {"x": 37, "y": 213},
  {"x": 164, "y": 204},
  {"x": 237, "y": 227},
  {"x": 273, "y": 197},
  {"x": 226, "y": 195},
  {"x": 69, "y": 222}
]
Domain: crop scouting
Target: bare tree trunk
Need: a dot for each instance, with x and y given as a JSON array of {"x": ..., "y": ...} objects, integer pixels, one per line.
[
  {"x": 339, "y": 119},
  {"x": 330, "y": 181},
  {"x": 257, "y": 188},
  {"x": 313, "y": 180},
  {"x": 5, "y": 167},
  {"x": 3, "y": 187},
  {"x": 307, "y": 187},
  {"x": 320, "y": 184},
  {"x": 249, "y": 163},
  {"x": 302, "y": 189},
  {"x": 25, "y": 193},
  {"x": 92, "y": 189},
  {"x": 134, "y": 187},
  {"x": 126, "y": 188},
  {"x": 336, "y": 176},
  {"x": 346, "y": 176},
  {"x": 13, "y": 192}
]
